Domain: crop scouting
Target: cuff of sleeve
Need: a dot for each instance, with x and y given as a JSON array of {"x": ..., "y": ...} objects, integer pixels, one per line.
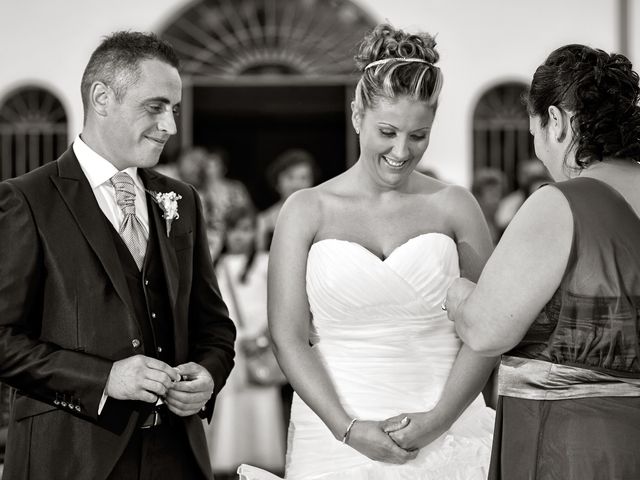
[{"x": 103, "y": 400}]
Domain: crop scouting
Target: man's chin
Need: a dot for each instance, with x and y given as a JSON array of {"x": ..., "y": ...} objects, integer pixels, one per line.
[{"x": 150, "y": 159}]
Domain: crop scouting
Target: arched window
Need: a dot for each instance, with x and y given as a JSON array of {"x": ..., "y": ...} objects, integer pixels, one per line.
[
  {"x": 219, "y": 38},
  {"x": 33, "y": 130},
  {"x": 501, "y": 137}
]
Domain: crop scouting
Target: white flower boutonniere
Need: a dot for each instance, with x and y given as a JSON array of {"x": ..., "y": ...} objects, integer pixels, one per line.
[{"x": 168, "y": 203}]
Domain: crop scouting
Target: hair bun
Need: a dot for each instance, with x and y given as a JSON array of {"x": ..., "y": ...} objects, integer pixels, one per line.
[{"x": 384, "y": 41}]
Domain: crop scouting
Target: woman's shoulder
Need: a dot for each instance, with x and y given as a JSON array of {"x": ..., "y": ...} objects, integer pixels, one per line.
[
  {"x": 546, "y": 211},
  {"x": 302, "y": 208},
  {"x": 452, "y": 198},
  {"x": 313, "y": 199}
]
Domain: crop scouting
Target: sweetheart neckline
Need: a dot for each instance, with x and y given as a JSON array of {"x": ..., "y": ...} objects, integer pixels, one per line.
[{"x": 383, "y": 260}]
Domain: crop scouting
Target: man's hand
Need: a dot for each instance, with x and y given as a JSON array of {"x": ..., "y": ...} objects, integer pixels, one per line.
[
  {"x": 189, "y": 396},
  {"x": 369, "y": 439},
  {"x": 422, "y": 429},
  {"x": 140, "y": 378}
]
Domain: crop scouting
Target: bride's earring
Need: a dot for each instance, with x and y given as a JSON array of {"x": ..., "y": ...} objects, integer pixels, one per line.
[{"x": 357, "y": 131}]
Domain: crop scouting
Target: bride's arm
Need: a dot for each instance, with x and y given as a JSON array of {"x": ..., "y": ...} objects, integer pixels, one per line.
[
  {"x": 289, "y": 322},
  {"x": 470, "y": 371}
]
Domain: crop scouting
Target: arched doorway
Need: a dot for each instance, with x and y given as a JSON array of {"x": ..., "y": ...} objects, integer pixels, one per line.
[
  {"x": 263, "y": 76},
  {"x": 501, "y": 137},
  {"x": 33, "y": 130}
]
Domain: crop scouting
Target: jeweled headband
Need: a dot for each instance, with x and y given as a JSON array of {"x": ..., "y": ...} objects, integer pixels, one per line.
[{"x": 399, "y": 59}]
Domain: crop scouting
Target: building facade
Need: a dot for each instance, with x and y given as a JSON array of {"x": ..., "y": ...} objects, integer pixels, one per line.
[{"x": 263, "y": 75}]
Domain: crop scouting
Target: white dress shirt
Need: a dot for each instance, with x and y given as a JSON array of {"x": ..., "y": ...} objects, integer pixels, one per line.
[{"x": 99, "y": 171}]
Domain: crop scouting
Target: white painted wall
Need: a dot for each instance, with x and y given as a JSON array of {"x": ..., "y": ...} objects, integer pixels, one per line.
[
  {"x": 634, "y": 33},
  {"x": 481, "y": 43}
]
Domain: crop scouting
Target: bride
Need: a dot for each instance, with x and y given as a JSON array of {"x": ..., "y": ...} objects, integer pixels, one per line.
[{"x": 359, "y": 268}]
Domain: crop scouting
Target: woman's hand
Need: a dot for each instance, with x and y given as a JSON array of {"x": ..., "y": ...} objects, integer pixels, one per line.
[
  {"x": 458, "y": 292},
  {"x": 420, "y": 430},
  {"x": 369, "y": 438}
]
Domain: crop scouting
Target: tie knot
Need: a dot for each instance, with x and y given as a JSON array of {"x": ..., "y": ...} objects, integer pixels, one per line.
[{"x": 125, "y": 192}]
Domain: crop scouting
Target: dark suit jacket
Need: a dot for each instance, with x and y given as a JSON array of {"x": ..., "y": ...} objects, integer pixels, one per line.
[{"x": 66, "y": 315}]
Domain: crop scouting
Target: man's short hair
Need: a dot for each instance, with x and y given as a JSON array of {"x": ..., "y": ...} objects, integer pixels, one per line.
[{"x": 116, "y": 61}]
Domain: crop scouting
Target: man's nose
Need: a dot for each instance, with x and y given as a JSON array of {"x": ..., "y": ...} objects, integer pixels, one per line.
[{"x": 167, "y": 123}]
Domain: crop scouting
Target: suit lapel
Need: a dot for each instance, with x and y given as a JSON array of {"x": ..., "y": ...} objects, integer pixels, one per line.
[
  {"x": 154, "y": 183},
  {"x": 81, "y": 202}
]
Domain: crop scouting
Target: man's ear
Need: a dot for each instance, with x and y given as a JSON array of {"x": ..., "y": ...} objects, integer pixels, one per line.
[
  {"x": 356, "y": 117},
  {"x": 100, "y": 95}
]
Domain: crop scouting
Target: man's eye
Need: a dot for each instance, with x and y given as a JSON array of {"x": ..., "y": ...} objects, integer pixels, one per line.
[
  {"x": 176, "y": 112},
  {"x": 155, "y": 108}
]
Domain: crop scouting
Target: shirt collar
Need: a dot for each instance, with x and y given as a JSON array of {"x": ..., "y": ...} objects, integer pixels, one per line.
[{"x": 98, "y": 169}]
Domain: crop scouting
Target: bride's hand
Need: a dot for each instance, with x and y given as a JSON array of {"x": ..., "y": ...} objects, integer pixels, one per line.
[
  {"x": 459, "y": 290},
  {"x": 369, "y": 438},
  {"x": 422, "y": 429}
]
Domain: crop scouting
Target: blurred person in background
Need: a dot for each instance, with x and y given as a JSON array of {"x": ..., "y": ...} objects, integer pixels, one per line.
[
  {"x": 220, "y": 195},
  {"x": 191, "y": 167},
  {"x": 247, "y": 425},
  {"x": 488, "y": 189},
  {"x": 291, "y": 171},
  {"x": 560, "y": 296},
  {"x": 531, "y": 175}
]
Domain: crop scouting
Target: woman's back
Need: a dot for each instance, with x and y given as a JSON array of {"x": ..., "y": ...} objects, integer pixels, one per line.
[{"x": 592, "y": 321}]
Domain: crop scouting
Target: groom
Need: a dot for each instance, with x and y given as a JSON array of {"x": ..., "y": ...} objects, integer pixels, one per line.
[{"x": 112, "y": 329}]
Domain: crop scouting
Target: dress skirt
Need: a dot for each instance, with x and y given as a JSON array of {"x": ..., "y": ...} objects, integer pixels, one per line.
[{"x": 576, "y": 439}]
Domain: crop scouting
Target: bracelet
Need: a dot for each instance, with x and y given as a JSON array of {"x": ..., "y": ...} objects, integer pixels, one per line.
[{"x": 346, "y": 433}]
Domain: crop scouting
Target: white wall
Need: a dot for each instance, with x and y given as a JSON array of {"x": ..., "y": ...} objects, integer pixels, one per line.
[
  {"x": 634, "y": 33},
  {"x": 481, "y": 42}
]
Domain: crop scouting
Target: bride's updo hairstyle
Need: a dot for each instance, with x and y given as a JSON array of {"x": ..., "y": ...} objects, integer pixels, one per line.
[
  {"x": 393, "y": 64},
  {"x": 600, "y": 91}
]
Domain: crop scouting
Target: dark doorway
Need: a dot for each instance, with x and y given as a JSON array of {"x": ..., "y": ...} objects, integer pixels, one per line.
[{"x": 256, "y": 123}]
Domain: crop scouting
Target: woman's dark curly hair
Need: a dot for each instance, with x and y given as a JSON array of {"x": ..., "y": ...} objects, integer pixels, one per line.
[
  {"x": 401, "y": 74},
  {"x": 600, "y": 91}
]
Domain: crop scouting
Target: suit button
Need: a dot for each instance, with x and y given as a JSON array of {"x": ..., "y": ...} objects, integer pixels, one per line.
[
  {"x": 146, "y": 282},
  {"x": 159, "y": 349},
  {"x": 153, "y": 315},
  {"x": 78, "y": 408},
  {"x": 135, "y": 342},
  {"x": 64, "y": 404}
]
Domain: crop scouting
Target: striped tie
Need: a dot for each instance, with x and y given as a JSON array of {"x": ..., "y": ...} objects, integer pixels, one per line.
[{"x": 131, "y": 230}]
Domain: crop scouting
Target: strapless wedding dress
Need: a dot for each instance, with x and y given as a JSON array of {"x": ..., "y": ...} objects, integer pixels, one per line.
[{"x": 378, "y": 327}]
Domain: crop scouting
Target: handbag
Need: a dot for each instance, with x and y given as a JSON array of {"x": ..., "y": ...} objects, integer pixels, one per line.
[{"x": 262, "y": 367}]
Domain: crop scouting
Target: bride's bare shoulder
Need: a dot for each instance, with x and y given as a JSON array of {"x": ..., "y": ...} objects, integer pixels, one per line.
[{"x": 306, "y": 209}]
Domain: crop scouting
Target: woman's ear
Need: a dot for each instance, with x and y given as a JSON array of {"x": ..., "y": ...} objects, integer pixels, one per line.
[
  {"x": 559, "y": 123},
  {"x": 356, "y": 117}
]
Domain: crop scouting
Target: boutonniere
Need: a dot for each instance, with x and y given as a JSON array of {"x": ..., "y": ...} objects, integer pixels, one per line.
[{"x": 168, "y": 203}]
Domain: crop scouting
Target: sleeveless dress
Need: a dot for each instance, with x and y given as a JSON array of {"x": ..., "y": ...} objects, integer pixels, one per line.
[
  {"x": 569, "y": 405},
  {"x": 247, "y": 424},
  {"x": 378, "y": 328}
]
